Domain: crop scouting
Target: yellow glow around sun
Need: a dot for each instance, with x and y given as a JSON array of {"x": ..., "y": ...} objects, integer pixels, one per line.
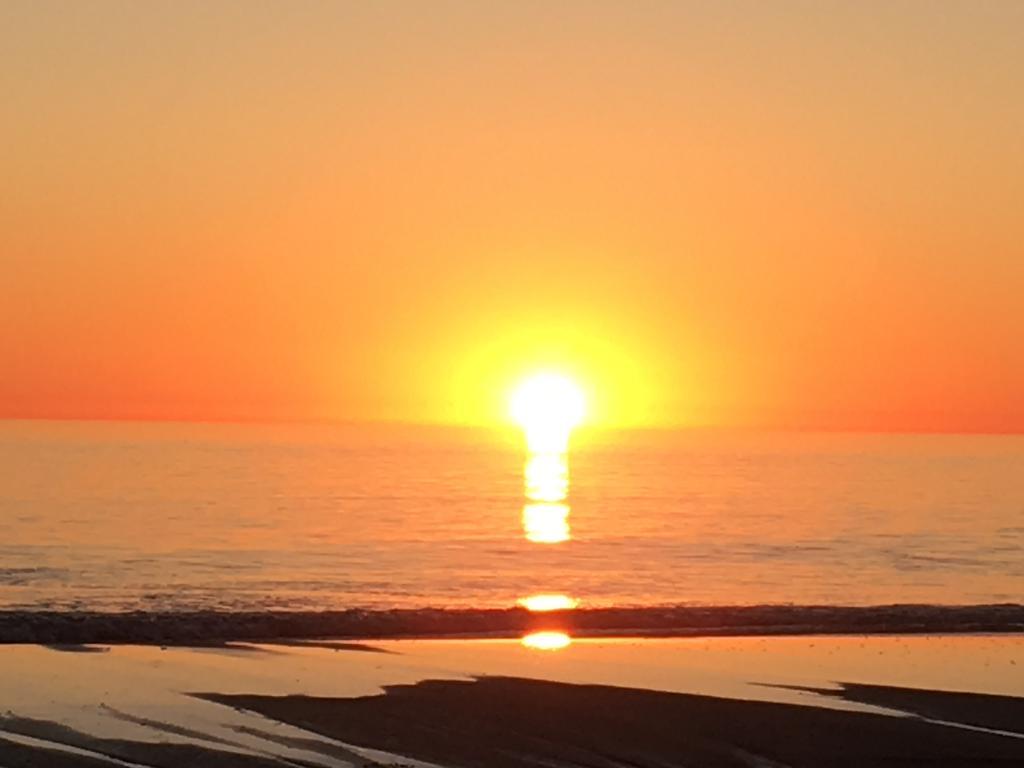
[
  {"x": 615, "y": 363},
  {"x": 548, "y": 406}
]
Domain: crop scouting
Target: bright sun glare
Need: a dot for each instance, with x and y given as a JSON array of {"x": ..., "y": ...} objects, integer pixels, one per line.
[
  {"x": 547, "y": 406},
  {"x": 544, "y": 603},
  {"x": 546, "y": 641}
]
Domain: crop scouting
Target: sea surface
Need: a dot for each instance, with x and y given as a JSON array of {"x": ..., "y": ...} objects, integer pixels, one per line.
[{"x": 167, "y": 517}]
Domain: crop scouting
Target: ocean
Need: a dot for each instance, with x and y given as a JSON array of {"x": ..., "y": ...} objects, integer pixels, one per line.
[{"x": 116, "y": 517}]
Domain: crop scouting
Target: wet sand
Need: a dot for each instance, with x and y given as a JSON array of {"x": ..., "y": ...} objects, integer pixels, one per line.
[
  {"x": 762, "y": 702},
  {"x": 516, "y": 723}
]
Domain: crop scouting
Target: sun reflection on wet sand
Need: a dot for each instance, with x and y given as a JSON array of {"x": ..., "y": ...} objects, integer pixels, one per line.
[
  {"x": 548, "y": 602},
  {"x": 546, "y": 641}
]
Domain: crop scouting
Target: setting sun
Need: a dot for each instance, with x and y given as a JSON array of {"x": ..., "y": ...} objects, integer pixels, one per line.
[{"x": 547, "y": 406}]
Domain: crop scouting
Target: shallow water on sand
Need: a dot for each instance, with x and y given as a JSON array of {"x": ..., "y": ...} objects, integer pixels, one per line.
[
  {"x": 181, "y": 516},
  {"x": 142, "y": 697}
]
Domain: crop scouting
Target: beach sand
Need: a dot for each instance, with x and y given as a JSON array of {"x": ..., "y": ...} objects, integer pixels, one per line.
[{"x": 778, "y": 701}]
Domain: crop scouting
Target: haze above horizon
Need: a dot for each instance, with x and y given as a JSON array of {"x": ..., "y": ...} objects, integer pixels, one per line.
[{"x": 802, "y": 215}]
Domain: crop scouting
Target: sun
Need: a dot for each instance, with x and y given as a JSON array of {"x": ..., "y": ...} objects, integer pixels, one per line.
[{"x": 548, "y": 406}]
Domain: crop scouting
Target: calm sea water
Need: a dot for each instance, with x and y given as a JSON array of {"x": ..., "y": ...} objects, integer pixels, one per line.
[{"x": 176, "y": 516}]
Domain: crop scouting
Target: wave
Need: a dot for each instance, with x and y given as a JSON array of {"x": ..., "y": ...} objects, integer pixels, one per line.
[{"x": 197, "y": 628}]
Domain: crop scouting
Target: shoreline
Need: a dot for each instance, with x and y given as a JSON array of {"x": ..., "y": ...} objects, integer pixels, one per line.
[
  {"x": 74, "y": 628},
  {"x": 849, "y": 702}
]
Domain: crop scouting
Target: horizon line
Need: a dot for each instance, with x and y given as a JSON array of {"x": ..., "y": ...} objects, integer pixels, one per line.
[{"x": 354, "y": 422}]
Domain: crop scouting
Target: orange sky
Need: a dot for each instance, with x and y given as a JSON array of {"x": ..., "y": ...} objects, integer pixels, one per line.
[{"x": 794, "y": 214}]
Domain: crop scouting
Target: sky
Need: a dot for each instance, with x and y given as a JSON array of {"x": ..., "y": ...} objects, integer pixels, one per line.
[{"x": 791, "y": 214}]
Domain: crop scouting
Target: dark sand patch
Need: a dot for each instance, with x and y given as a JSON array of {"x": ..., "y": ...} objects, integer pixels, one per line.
[
  {"x": 1001, "y": 713},
  {"x": 77, "y": 648},
  {"x": 514, "y": 723},
  {"x": 223, "y": 647},
  {"x": 151, "y": 754},
  {"x": 331, "y": 645},
  {"x": 310, "y": 745},
  {"x": 14, "y": 755},
  {"x": 170, "y": 728}
]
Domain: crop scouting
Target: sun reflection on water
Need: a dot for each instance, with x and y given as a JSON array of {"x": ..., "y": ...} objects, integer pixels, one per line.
[
  {"x": 546, "y": 523},
  {"x": 548, "y": 602},
  {"x": 545, "y": 517},
  {"x": 547, "y": 477}
]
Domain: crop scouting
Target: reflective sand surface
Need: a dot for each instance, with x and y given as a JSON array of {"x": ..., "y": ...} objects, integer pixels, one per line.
[{"x": 141, "y": 694}]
